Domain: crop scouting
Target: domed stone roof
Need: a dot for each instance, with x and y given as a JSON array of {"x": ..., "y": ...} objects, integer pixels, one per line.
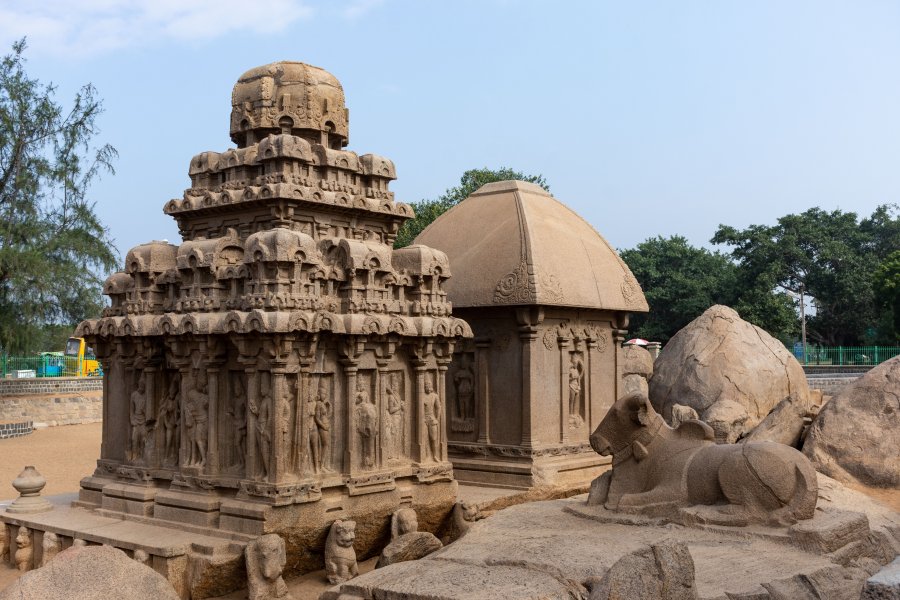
[
  {"x": 289, "y": 97},
  {"x": 512, "y": 243}
]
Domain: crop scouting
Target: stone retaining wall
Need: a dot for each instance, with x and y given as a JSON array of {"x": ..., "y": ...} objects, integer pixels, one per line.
[
  {"x": 830, "y": 386},
  {"x": 9, "y": 430},
  {"x": 50, "y": 385}
]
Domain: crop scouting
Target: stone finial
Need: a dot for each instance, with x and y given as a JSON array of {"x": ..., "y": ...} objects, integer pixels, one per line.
[
  {"x": 49, "y": 547},
  {"x": 340, "y": 557},
  {"x": 407, "y": 542},
  {"x": 24, "y": 549},
  {"x": 29, "y": 484},
  {"x": 265, "y": 557}
]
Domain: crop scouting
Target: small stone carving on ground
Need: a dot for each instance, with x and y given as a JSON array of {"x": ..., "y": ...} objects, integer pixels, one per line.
[
  {"x": 49, "y": 547},
  {"x": 24, "y": 549},
  {"x": 407, "y": 542},
  {"x": 265, "y": 558},
  {"x": 88, "y": 574},
  {"x": 856, "y": 435},
  {"x": 340, "y": 557},
  {"x": 681, "y": 474},
  {"x": 664, "y": 571},
  {"x": 4, "y": 543},
  {"x": 462, "y": 518},
  {"x": 682, "y": 414},
  {"x": 142, "y": 557}
]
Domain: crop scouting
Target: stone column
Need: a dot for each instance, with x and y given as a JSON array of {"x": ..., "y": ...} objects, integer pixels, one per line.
[
  {"x": 441, "y": 415},
  {"x": 251, "y": 468},
  {"x": 589, "y": 345},
  {"x": 421, "y": 432},
  {"x": 483, "y": 389},
  {"x": 150, "y": 412},
  {"x": 565, "y": 359},
  {"x": 279, "y": 458},
  {"x": 527, "y": 336},
  {"x": 212, "y": 418},
  {"x": 184, "y": 449},
  {"x": 350, "y": 444}
]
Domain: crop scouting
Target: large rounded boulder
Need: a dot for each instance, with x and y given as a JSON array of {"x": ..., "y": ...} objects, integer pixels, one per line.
[
  {"x": 856, "y": 437},
  {"x": 729, "y": 371}
]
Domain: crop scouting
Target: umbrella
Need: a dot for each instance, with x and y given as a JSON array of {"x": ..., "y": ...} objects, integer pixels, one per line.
[{"x": 636, "y": 342}]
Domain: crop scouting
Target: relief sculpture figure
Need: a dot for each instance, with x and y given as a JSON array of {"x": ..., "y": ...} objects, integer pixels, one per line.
[
  {"x": 263, "y": 431},
  {"x": 366, "y": 425},
  {"x": 237, "y": 413},
  {"x": 168, "y": 416},
  {"x": 431, "y": 411},
  {"x": 323, "y": 425},
  {"x": 465, "y": 391},
  {"x": 394, "y": 430},
  {"x": 312, "y": 431},
  {"x": 576, "y": 370},
  {"x": 138, "y": 419},
  {"x": 197, "y": 421}
]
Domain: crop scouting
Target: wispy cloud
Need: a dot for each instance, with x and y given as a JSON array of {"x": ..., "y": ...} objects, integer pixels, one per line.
[
  {"x": 360, "y": 8},
  {"x": 91, "y": 27}
]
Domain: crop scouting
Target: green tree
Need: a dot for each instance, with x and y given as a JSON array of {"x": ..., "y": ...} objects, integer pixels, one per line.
[
  {"x": 679, "y": 282},
  {"x": 886, "y": 282},
  {"x": 429, "y": 210},
  {"x": 52, "y": 244},
  {"x": 826, "y": 255}
]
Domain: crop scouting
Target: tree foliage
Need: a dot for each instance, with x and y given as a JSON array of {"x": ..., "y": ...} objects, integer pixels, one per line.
[
  {"x": 679, "y": 282},
  {"x": 429, "y": 210},
  {"x": 51, "y": 242},
  {"x": 830, "y": 256},
  {"x": 886, "y": 282}
]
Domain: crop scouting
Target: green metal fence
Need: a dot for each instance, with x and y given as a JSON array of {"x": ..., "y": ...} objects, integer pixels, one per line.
[
  {"x": 46, "y": 364},
  {"x": 840, "y": 356}
]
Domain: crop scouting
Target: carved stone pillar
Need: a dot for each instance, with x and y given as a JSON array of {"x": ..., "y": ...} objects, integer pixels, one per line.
[
  {"x": 528, "y": 318},
  {"x": 564, "y": 360},
  {"x": 420, "y": 450},
  {"x": 589, "y": 345},
  {"x": 441, "y": 415},
  {"x": 212, "y": 442},
  {"x": 483, "y": 389},
  {"x": 280, "y": 419},
  {"x": 252, "y": 468},
  {"x": 350, "y": 443}
]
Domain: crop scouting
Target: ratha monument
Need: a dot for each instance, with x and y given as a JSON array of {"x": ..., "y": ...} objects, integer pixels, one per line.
[{"x": 283, "y": 367}]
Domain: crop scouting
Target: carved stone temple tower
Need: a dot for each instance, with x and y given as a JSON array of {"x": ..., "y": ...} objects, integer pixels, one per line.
[{"x": 284, "y": 366}]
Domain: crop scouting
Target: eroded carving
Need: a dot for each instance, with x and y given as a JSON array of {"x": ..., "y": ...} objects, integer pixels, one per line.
[
  {"x": 366, "y": 424},
  {"x": 4, "y": 543},
  {"x": 340, "y": 557},
  {"x": 196, "y": 417},
  {"x": 49, "y": 547},
  {"x": 462, "y": 518},
  {"x": 261, "y": 409},
  {"x": 138, "y": 420},
  {"x": 396, "y": 407},
  {"x": 169, "y": 418},
  {"x": 24, "y": 549},
  {"x": 431, "y": 411},
  {"x": 407, "y": 542},
  {"x": 576, "y": 375},
  {"x": 265, "y": 558}
]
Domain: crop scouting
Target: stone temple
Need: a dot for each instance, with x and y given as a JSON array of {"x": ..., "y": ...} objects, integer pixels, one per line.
[
  {"x": 549, "y": 301},
  {"x": 283, "y": 367}
]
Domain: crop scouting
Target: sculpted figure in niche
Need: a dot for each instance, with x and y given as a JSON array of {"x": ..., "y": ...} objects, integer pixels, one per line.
[
  {"x": 197, "y": 421},
  {"x": 237, "y": 413},
  {"x": 323, "y": 425},
  {"x": 431, "y": 405},
  {"x": 312, "y": 434},
  {"x": 168, "y": 416},
  {"x": 263, "y": 429},
  {"x": 138, "y": 419},
  {"x": 24, "y": 551},
  {"x": 265, "y": 558},
  {"x": 49, "y": 547},
  {"x": 576, "y": 370},
  {"x": 394, "y": 430},
  {"x": 366, "y": 424},
  {"x": 340, "y": 557},
  {"x": 683, "y": 474},
  {"x": 283, "y": 416},
  {"x": 465, "y": 390}
]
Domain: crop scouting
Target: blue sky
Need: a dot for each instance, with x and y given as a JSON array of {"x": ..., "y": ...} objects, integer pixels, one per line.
[{"x": 647, "y": 118}]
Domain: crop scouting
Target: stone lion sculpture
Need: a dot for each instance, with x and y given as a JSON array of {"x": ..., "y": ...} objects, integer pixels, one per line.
[
  {"x": 340, "y": 557},
  {"x": 265, "y": 558},
  {"x": 681, "y": 473}
]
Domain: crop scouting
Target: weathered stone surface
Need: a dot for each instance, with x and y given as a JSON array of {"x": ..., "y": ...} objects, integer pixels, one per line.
[
  {"x": 90, "y": 573},
  {"x": 340, "y": 557},
  {"x": 834, "y": 583},
  {"x": 680, "y": 474},
  {"x": 411, "y": 546},
  {"x": 783, "y": 425},
  {"x": 856, "y": 435},
  {"x": 720, "y": 358},
  {"x": 265, "y": 559},
  {"x": 664, "y": 571},
  {"x": 561, "y": 549},
  {"x": 885, "y": 584}
]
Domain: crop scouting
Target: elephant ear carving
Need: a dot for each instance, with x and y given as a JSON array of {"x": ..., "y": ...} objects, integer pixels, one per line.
[{"x": 696, "y": 430}]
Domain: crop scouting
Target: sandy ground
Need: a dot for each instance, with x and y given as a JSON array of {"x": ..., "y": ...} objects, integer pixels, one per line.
[{"x": 63, "y": 455}]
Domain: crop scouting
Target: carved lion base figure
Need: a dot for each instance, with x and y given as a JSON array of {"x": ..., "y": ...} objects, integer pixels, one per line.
[
  {"x": 682, "y": 474},
  {"x": 462, "y": 518},
  {"x": 340, "y": 557},
  {"x": 24, "y": 550},
  {"x": 265, "y": 558}
]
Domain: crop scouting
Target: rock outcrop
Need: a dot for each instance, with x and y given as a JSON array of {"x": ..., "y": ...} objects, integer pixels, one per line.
[
  {"x": 87, "y": 573},
  {"x": 856, "y": 436},
  {"x": 664, "y": 571},
  {"x": 728, "y": 370}
]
